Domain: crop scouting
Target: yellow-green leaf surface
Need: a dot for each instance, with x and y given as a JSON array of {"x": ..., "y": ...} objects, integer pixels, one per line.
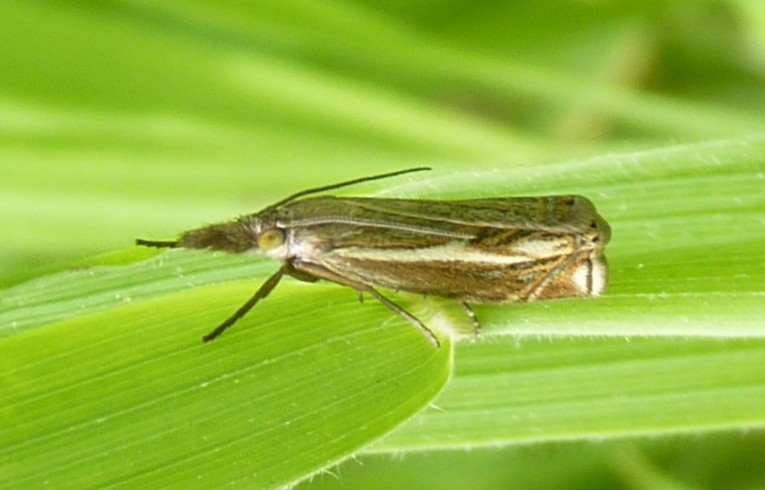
[
  {"x": 132, "y": 397},
  {"x": 312, "y": 376}
]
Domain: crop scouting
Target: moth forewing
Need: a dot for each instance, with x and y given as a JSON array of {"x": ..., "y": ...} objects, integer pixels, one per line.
[
  {"x": 445, "y": 254},
  {"x": 500, "y": 250}
]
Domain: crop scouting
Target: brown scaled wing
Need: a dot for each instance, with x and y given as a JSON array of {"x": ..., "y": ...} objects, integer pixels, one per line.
[{"x": 474, "y": 251}]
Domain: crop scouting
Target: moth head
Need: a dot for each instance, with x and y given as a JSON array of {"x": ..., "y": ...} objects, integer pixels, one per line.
[
  {"x": 246, "y": 234},
  {"x": 233, "y": 236}
]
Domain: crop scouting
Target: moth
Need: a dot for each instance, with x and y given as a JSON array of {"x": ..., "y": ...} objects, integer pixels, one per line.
[{"x": 476, "y": 251}]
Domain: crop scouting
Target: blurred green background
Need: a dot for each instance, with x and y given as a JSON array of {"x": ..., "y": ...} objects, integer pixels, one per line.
[{"x": 121, "y": 119}]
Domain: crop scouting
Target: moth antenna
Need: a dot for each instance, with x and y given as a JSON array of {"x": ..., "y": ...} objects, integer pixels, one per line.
[
  {"x": 330, "y": 187},
  {"x": 157, "y": 243}
]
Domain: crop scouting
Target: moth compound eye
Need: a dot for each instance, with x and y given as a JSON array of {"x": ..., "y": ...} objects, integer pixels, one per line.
[{"x": 270, "y": 239}]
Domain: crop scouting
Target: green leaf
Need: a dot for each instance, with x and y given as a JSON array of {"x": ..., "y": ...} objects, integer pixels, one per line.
[
  {"x": 510, "y": 391},
  {"x": 137, "y": 399}
]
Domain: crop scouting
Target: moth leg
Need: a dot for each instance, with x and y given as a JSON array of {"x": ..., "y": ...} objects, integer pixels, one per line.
[
  {"x": 360, "y": 295},
  {"x": 473, "y": 318},
  {"x": 428, "y": 333},
  {"x": 261, "y": 293},
  {"x": 299, "y": 275},
  {"x": 360, "y": 287}
]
